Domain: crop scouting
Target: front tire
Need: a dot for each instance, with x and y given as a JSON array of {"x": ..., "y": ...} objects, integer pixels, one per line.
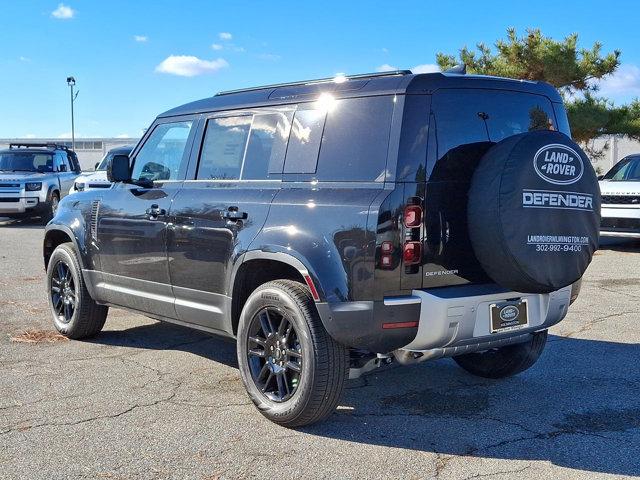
[
  {"x": 504, "y": 361},
  {"x": 294, "y": 372},
  {"x": 75, "y": 314},
  {"x": 51, "y": 208}
]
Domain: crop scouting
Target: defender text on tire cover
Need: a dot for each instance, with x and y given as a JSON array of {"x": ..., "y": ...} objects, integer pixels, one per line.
[{"x": 534, "y": 212}]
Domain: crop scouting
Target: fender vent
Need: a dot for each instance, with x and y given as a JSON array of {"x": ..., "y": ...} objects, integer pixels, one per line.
[{"x": 93, "y": 222}]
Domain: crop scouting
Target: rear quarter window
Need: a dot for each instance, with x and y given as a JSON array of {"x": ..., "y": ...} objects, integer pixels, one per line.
[{"x": 341, "y": 140}]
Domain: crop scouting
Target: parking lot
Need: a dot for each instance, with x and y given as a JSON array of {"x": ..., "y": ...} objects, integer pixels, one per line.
[{"x": 151, "y": 400}]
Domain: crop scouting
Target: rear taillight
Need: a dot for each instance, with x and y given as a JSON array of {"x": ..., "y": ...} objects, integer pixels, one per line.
[
  {"x": 412, "y": 253},
  {"x": 412, "y": 216}
]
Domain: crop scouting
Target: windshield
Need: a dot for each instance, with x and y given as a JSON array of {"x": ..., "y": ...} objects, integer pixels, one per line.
[
  {"x": 104, "y": 162},
  {"x": 626, "y": 170},
  {"x": 26, "y": 162}
]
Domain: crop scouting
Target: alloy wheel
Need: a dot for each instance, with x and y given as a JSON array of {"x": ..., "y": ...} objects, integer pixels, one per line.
[
  {"x": 274, "y": 354},
  {"x": 63, "y": 292}
]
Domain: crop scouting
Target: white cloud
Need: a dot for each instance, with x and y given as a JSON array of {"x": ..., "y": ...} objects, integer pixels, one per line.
[
  {"x": 384, "y": 50},
  {"x": 426, "y": 68},
  {"x": 63, "y": 12},
  {"x": 625, "y": 82},
  {"x": 225, "y": 36},
  {"x": 217, "y": 46},
  {"x": 65, "y": 135},
  {"x": 386, "y": 68},
  {"x": 122, "y": 135},
  {"x": 272, "y": 57},
  {"x": 141, "y": 38},
  {"x": 24, "y": 59},
  {"x": 190, "y": 66},
  {"x": 29, "y": 135}
]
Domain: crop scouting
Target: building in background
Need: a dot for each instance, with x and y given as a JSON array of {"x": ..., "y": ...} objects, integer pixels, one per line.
[
  {"x": 89, "y": 150},
  {"x": 616, "y": 147}
]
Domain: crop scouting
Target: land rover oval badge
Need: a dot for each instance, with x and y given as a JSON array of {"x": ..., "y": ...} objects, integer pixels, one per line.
[
  {"x": 508, "y": 313},
  {"x": 558, "y": 164}
]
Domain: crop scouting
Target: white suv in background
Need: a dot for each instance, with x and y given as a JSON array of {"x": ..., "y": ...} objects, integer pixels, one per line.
[
  {"x": 98, "y": 178},
  {"x": 620, "y": 189}
]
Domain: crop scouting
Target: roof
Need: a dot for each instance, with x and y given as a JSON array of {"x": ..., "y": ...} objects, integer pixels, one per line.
[
  {"x": 397, "y": 83},
  {"x": 122, "y": 149},
  {"x": 34, "y": 147}
]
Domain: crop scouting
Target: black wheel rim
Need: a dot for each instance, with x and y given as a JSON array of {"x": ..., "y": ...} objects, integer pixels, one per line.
[
  {"x": 63, "y": 292},
  {"x": 274, "y": 354}
]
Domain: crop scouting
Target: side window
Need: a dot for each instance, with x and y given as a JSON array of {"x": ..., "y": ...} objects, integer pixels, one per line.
[
  {"x": 61, "y": 163},
  {"x": 304, "y": 141},
  {"x": 161, "y": 156},
  {"x": 267, "y": 145},
  {"x": 356, "y": 139},
  {"x": 223, "y": 148}
]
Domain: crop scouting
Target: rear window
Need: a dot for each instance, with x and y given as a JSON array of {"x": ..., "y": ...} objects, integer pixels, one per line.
[{"x": 470, "y": 116}]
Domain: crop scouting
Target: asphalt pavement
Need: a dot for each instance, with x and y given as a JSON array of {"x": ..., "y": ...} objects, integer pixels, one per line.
[{"x": 147, "y": 400}]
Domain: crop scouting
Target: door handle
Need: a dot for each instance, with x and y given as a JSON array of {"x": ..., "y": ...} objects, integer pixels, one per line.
[
  {"x": 154, "y": 211},
  {"x": 233, "y": 214}
]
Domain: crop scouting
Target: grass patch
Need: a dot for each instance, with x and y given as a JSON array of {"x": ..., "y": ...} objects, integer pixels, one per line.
[{"x": 38, "y": 336}]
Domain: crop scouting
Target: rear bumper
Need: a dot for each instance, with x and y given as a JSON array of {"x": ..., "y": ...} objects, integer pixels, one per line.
[
  {"x": 450, "y": 320},
  {"x": 447, "y": 321}
]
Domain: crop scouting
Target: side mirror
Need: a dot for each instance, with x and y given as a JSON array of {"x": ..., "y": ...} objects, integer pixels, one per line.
[
  {"x": 62, "y": 168},
  {"x": 600, "y": 177},
  {"x": 95, "y": 167},
  {"x": 118, "y": 169}
]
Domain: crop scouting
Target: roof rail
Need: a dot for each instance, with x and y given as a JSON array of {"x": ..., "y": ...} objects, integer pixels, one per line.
[
  {"x": 360, "y": 76},
  {"x": 38, "y": 145}
]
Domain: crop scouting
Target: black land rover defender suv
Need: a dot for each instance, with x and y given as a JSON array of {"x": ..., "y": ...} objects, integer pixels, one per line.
[{"x": 337, "y": 224}]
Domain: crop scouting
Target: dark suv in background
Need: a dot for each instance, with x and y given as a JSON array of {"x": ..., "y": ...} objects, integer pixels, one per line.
[{"x": 334, "y": 225}]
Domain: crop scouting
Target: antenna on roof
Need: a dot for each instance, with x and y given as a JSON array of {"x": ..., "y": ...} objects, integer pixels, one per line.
[{"x": 460, "y": 69}]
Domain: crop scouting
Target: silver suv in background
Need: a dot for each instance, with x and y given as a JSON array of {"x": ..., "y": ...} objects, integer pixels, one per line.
[
  {"x": 98, "y": 178},
  {"x": 34, "y": 177}
]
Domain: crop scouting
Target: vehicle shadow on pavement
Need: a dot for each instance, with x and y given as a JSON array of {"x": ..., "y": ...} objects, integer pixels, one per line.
[
  {"x": 166, "y": 336},
  {"x": 578, "y": 407},
  {"x": 21, "y": 223}
]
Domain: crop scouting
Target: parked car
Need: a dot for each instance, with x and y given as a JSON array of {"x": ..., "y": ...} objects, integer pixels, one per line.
[
  {"x": 98, "y": 178},
  {"x": 334, "y": 226},
  {"x": 34, "y": 178},
  {"x": 620, "y": 189}
]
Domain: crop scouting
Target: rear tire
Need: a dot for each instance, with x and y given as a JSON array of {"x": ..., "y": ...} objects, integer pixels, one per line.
[
  {"x": 75, "y": 314},
  {"x": 504, "y": 361},
  {"x": 281, "y": 334}
]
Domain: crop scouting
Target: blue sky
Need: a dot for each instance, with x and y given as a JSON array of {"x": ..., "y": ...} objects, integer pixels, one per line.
[{"x": 135, "y": 59}]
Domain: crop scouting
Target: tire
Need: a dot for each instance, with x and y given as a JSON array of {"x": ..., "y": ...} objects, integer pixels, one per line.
[
  {"x": 82, "y": 317},
  {"x": 504, "y": 361},
  {"x": 312, "y": 393},
  {"x": 51, "y": 208}
]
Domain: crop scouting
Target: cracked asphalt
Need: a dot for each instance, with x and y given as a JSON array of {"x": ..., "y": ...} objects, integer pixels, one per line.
[{"x": 155, "y": 401}]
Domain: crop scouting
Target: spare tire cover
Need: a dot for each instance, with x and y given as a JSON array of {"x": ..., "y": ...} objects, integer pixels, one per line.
[{"x": 534, "y": 212}]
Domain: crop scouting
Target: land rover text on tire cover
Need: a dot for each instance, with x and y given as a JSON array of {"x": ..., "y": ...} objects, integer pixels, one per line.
[
  {"x": 336, "y": 225},
  {"x": 34, "y": 177}
]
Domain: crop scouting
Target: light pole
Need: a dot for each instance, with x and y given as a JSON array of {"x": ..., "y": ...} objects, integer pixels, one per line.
[{"x": 71, "y": 82}]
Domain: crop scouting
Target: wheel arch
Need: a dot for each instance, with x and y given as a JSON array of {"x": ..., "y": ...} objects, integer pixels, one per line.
[
  {"x": 258, "y": 267},
  {"x": 56, "y": 235}
]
